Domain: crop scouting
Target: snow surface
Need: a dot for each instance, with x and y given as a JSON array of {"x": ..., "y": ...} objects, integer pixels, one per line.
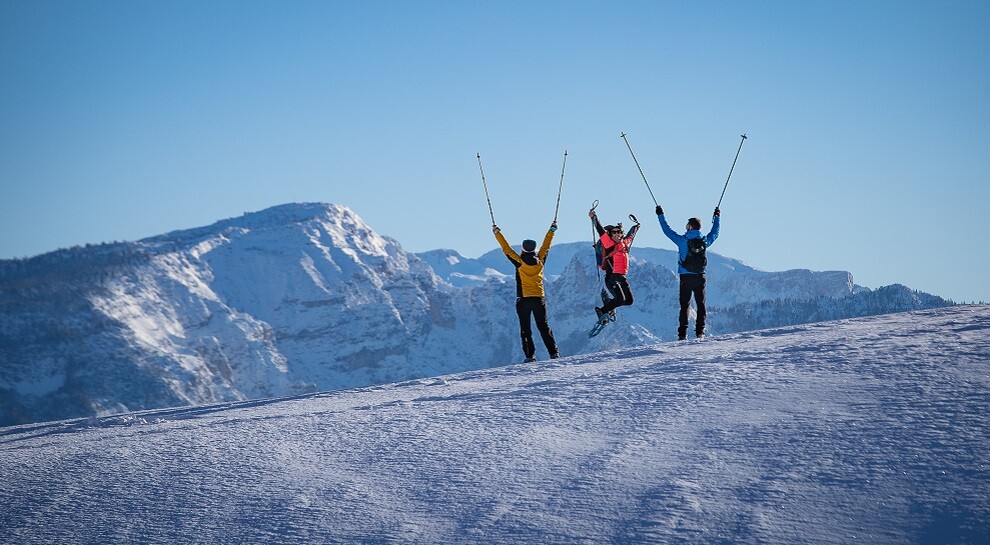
[{"x": 869, "y": 430}]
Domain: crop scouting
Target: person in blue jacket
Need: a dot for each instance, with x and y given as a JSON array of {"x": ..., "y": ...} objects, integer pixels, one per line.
[{"x": 691, "y": 264}]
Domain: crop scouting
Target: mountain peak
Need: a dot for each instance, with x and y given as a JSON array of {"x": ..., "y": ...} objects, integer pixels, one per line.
[
  {"x": 288, "y": 213},
  {"x": 274, "y": 217}
]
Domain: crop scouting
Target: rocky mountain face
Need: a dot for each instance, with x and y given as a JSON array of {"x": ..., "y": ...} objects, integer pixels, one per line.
[{"x": 307, "y": 297}]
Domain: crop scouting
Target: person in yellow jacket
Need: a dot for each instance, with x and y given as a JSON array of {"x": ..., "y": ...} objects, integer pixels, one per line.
[{"x": 530, "y": 300}]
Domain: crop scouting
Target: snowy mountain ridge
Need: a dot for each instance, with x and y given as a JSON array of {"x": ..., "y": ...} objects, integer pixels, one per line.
[
  {"x": 306, "y": 297},
  {"x": 869, "y": 430}
]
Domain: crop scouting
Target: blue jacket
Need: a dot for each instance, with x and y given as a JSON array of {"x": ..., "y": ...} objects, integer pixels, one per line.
[{"x": 681, "y": 240}]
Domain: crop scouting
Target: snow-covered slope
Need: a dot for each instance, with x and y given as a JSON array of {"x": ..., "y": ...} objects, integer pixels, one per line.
[
  {"x": 870, "y": 430},
  {"x": 307, "y": 297},
  {"x": 292, "y": 299}
]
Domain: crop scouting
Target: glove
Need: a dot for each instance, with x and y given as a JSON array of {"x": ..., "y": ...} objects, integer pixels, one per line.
[
  {"x": 592, "y": 214},
  {"x": 659, "y": 210},
  {"x": 495, "y": 229},
  {"x": 553, "y": 226},
  {"x": 717, "y": 212}
]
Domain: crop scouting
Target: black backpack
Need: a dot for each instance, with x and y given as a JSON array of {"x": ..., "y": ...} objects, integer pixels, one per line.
[{"x": 696, "y": 260}]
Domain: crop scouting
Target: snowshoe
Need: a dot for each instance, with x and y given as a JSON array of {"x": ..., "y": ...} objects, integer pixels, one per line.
[{"x": 603, "y": 318}]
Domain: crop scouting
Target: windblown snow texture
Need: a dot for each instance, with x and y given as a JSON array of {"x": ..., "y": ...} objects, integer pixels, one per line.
[{"x": 870, "y": 430}]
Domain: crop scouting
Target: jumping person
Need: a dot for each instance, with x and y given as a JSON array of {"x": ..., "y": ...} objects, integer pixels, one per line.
[
  {"x": 530, "y": 299},
  {"x": 691, "y": 264},
  {"x": 615, "y": 262}
]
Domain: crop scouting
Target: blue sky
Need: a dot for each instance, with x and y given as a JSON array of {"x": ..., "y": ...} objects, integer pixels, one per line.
[{"x": 868, "y": 123}]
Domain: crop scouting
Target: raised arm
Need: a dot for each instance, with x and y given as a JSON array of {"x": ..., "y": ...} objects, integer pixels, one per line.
[
  {"x": 598, "y": 226},
  {"x": 713, "y": 234},
  {"x": 506, "y": 249},
  {"x": 631, "y": 234},
  {"x": 545, "y": 248},
  {"x": 673, "y": 236}
]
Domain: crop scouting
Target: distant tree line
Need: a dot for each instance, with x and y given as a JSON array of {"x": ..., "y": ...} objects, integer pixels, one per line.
[{"x": 79, "y": 264}]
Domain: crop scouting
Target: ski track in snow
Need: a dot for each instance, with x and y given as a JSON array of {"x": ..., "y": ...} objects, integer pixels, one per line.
[{"x": 870, "y": 430}]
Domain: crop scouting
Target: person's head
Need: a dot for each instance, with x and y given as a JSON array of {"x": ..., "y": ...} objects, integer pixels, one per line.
[
  {"x": 529, "y": 245},
  {"x": 615, "y": 231},
  {"x": 694, "y": 224}
]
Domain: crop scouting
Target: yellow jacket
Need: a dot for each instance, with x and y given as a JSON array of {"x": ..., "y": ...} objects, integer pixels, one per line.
[{"x": 529, "y": 268}]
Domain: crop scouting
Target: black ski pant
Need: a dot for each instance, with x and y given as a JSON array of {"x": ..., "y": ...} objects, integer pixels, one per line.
[
  {"x": 692, "y": 284},
  {"x": 537, "y": 308},
  {"x": 619, "y": 288}
]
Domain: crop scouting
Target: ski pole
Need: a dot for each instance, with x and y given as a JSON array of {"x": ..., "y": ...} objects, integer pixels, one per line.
[
  {"x": 731, "y": 169},
  {"x": 594, "y": 238},
  {"x": 487, "y": 198},
  {"x": 623, "y": 136},
  {"x": 561, "y": 187}
]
